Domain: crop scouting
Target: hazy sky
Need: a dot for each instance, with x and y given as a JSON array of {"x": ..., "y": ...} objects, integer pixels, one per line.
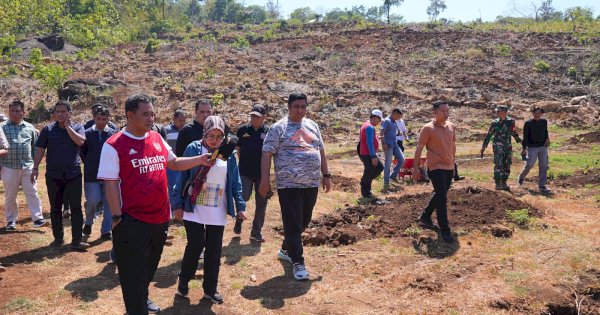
[{"x": 414, "y": 10}]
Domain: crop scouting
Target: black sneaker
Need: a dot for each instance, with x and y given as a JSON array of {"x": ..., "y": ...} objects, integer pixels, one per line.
[
  {"x": 39, "y": 223},
  {"x": 427, "y": 223},
  {"x": 152, "y": 308},
  {"x": 447, "y": 236},
  {"x": 182, "y": 288},
  {"x": 57, "y": 243},
  {"x": 458, "y": 178},
  {"x": 87, "y": 230},
  {"x": 216, "y": 298},
  {"x": 80, "y": 247},
  {"x": 66, "y": 213},
  {"x": 106, "y": 236},
  {"x": 11, "y": 226},
  {"x": 257, "y": 237},
  {"x": 237, "y": 229}
]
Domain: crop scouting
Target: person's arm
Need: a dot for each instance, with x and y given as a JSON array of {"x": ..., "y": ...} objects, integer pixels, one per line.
[
  {"x": 4, "y": 146},
  {"x": 37, "y": 159},
  {"x": 416, "y": 173},
  {"x": 265, "y": 173},
  {"x": 384, "y": 126},
  {"x": 487, "y": 138},
  {"x": 547, "y": 142},
  {"x": 186, "y": 163},
  {"x": 113, "y": 195},
  {"x": 526, "y": 131},
  {"x": 514, "y": 133},
  {"x": 84, "y": 150},
  {"x": 325, "y": 170},
  {"x": 370, "y": 133},
  {"x": 77, "y": 136},
  {"x": 236, "y": 185}
]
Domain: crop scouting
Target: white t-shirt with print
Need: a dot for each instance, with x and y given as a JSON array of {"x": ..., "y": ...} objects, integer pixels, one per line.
[
  {"x": 211, "y": 204},
  {"x": 401, "y": 129}
]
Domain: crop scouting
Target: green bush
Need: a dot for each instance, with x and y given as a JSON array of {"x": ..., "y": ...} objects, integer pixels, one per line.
[
  {"x": 217, "y": 99},
  {"x": 209, "y": 38},
  {"x": 504, "y": 50},
  {"x": 51, "y": 76},
  {"x": 7, "y": 44},
  {"x": 269, "y": 35},
  {"x": 520, "y": 217},
  {"x": 572, "y": 72},
  {"x": 241, "y": 43},
  {"x": 541, "y": 66},
  {"x": 35, "y": 58},
  {"x": 162, "y": 27},
  {"x": 413, "y": 231},
  {"x": 152, "y": 46}
]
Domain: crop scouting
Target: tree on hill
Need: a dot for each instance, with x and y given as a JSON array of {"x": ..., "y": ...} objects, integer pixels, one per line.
[
  {"x": 547, "y": 12},
  {"x": 303, "y": 14},
  {"x": 387, "y": 6},
  {"x": 435, "y": 8}
]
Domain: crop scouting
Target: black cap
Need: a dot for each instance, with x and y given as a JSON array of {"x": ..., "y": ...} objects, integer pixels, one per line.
[{"x": 258, "y": 110}]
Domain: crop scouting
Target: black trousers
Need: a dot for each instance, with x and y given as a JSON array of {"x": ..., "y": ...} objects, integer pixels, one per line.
[
  {"x": 199, "y": 237},
  {"x": 138, "y": 246},
  {"x": 370, "y": 172},
  {"x": 441, "y": 181},
  {"x": 296, "y": 212},
  {"x": 401, "y": 145},
  {"x": 57, "y": 189}
]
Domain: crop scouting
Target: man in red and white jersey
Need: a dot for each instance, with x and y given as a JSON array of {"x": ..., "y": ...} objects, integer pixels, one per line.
[{"x": 133, "y": 166}]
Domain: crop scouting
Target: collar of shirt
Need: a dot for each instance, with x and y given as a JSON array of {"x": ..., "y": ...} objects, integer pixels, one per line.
[
  {"x": 106, "y": 128},
  {"x": 10, "y": 122},
  {"x": 435, "y": 123}
]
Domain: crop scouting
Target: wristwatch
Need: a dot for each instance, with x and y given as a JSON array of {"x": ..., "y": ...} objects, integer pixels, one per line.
[{"x": 327, "y": 175}]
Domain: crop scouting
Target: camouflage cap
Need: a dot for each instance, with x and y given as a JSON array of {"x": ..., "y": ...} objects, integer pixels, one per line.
[{"x": 502, "y": 108}]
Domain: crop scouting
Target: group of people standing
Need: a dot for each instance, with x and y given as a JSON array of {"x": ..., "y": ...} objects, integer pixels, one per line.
[{"x": 139, "y": 182}]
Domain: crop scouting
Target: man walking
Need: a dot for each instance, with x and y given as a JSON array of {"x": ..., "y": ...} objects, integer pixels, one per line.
[
  {"x": 62, "y": 139},
  {"x": 535, "y": 144},
  {"x": 368, "y": 147},
  {"x": 502, "y": 128},
  {"x": 95, "y": 195},
  {"x": 133, "y": 166},
  {"x": 250, "y": 144},
  {"x": 296, "y": 145},
  {"x": 401, "y": 136},
  {"x": 391, "y": 148},
  {"x": 439, "y": 137},
  {"x": 17, "y": 166}
]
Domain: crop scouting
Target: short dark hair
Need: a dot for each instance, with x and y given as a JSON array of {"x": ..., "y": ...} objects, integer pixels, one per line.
[
  {"x": 297, "y": 96},
  {"x": 535, "y": 108},
  {"x": 17, "y": 103},
  {"x": 96, "y": 107},
  {"x": 102, "y": 111},
  {"x": 437, "y": 104},
  {"x": 133, "y": 102},
  {"x": 202, "y": 101},
  {"x": 397, "y": 111},
  {"x": 64, "y": 103},
  {"x": 178, "y": 113}
]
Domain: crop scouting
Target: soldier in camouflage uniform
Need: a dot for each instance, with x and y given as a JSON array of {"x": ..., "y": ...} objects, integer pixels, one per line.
[{"x": 502, "y": 128}]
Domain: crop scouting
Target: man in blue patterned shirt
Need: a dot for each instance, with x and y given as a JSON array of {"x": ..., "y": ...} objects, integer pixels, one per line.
[{"x": 17, "y": 167}]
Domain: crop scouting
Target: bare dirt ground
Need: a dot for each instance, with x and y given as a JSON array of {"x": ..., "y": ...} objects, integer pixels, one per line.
[{"x": 382, "y": 263}]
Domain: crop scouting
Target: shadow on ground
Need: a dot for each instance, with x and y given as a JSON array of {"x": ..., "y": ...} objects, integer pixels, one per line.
[{"x": 273, "y": 292}]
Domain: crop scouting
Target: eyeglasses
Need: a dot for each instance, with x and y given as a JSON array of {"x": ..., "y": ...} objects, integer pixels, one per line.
[{"x": 213, "y": 137}]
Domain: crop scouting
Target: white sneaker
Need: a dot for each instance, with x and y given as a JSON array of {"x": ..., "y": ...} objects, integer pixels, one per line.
[
  {"x": 283, "y": 255},
  {"x": 300, "y": 272}
]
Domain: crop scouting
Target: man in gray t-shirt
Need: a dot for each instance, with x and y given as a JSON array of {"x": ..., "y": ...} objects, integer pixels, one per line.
[{"x": 296, "y": 144}]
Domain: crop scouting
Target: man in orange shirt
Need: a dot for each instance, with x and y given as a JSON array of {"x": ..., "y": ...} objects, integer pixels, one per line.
[{"x": 439, "y": 137}]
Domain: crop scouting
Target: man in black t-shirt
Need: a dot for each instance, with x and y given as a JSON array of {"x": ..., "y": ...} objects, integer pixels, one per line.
[
  {"x": 535, "y": 144},
  {"x": 249, "y": 150}
]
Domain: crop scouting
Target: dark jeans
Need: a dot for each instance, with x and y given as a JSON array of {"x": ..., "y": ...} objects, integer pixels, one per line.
[
  {"x": 441, "y": 181},
  {"x": 401, "y": 145},
  {"x": 138, "y": 246},
  {"x": 371, "y": 172},
  {"x": 199, "y": 237},
  {"x": 296, "y": 212},
  {"x": 261, "y": 202},
  {"x": 57, "y": 188}
]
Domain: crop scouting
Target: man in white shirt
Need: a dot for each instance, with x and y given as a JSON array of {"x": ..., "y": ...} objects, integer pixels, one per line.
[{"x": 402, "y": 135}]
